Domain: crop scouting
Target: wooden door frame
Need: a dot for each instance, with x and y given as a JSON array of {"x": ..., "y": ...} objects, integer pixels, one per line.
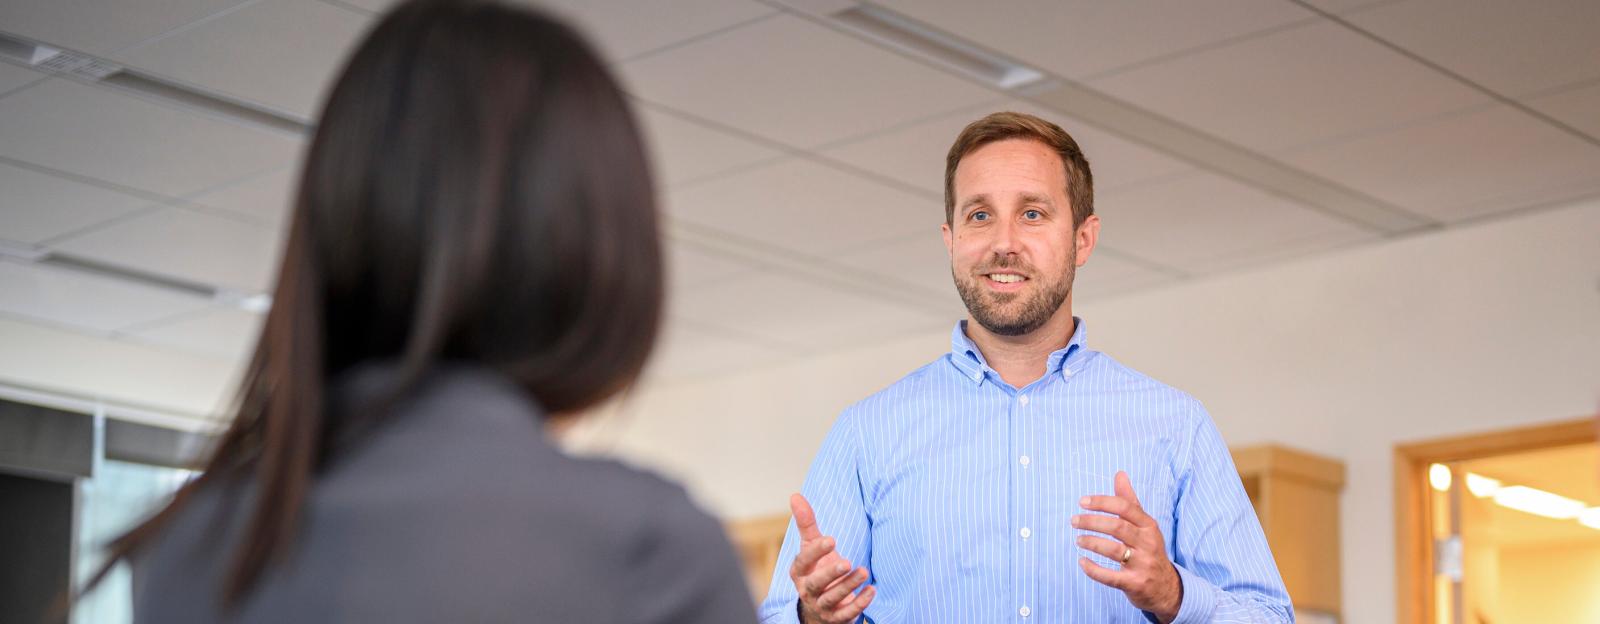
[{"x": 1413, "y": 546}]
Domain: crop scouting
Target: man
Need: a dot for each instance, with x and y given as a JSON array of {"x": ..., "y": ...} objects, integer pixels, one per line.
[{"x": 972, "y": 490}]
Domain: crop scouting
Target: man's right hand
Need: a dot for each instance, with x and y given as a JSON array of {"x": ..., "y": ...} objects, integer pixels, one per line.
[{"x": 823, "y": 578}]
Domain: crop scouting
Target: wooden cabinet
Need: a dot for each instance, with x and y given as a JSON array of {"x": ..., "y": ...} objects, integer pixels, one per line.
[
  {"x": 1296, "y": 496},
  {"x": 757, "y": 541}
]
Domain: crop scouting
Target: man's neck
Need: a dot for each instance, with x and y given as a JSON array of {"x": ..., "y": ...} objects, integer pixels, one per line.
[{"x": 1021, "y": 360}]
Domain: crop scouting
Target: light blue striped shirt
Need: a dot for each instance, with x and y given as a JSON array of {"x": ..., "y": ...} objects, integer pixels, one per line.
[{"x": 956, "y": 491}]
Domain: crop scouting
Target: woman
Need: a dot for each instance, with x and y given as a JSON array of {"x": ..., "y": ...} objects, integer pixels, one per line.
[{"x": 473, "y": 252}]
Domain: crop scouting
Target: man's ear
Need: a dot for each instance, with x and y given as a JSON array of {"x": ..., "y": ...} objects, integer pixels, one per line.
[{"x": 1085, "y": 238}]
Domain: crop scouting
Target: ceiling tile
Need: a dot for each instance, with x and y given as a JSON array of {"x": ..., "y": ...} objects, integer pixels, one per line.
[
  {"x": 100, "y": 133},
  {"x": 915, "y": 154},
  {"x": 685, "y": 352},
  {"x": 1579, "y": 108},
  {"x": 65, "y": 297},
  {"x": 280, "y": 53},
  {"x": 1514, "y": 48},
  {"x": 689, "y": 267},
  {"x": 684, "y": 150},
  {"x": 1107, "y": 274},
  {"x": 783, "y": 310},
  {"x": 1467, "y": 165},
  {"x": 1082, "y": 39},
  {"x": 99, "y": 27},
  {"x": 806, "y": 207},
  {"x": 919, "y": 260},
  {"x": 627, "y": 28},
  {"x": 265, "y": 197},
  {"x": 196, "y": 246},
  {"x": 221, "y": 331},
  {"x": 796, "y": 82},
  {"x": 13, "y": 77},
  {"x": 1204, "y": 222},
  {"x": 36, "y": 206},
  {"x": 1291, "y": 87},
  {"x": 375, "y": 6}
]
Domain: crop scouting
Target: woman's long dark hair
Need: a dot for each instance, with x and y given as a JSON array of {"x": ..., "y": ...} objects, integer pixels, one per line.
[{"x": 476, "y": 191}]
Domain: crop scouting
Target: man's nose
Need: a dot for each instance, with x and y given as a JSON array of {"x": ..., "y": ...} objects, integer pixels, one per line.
[{"x": 1004, "y": 242}]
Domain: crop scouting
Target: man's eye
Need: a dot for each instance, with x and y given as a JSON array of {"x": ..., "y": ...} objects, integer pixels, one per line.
[
  {"x": 980, "y": 216},
  {"x": 1033, "y": 214}
]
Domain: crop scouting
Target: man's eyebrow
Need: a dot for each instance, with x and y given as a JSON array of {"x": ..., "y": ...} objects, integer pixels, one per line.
[
  {"x": 974, "y": 200},
  {"x": 1035, "y": 198}
]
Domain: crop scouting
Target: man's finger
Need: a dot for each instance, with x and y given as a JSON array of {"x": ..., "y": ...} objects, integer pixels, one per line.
[
  {"x": 804, "y": 518},
  {"x": 1115, "y": 527},
  {"x": 1103, "y": 575},
  {"x": 1123, "y": 486},
  {"x": 835, "y": 595},
  {"x": 1109, "y": 549},
  {"x": 819, "y": 579},
  {"x": 810, "y": 553},
  {"x": 849, "y": 611},
  {"x": 1119, "y": 506}
]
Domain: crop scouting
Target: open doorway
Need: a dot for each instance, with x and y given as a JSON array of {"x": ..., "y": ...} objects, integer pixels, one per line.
[{"x": 1500, "y": 527}]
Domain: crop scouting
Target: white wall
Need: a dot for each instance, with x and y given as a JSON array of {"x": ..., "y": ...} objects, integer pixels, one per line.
[{"x": 1478, "y": 328}]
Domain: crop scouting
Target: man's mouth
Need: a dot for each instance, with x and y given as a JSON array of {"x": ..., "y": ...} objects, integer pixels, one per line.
[{"x": 1005, "y": 278}]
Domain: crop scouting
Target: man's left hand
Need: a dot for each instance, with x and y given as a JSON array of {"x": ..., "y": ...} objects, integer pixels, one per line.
[{"x": 1147, "y": 577}]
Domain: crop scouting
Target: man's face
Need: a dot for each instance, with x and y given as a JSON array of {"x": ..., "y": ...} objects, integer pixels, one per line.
[{"x": 1013, "y": 247}]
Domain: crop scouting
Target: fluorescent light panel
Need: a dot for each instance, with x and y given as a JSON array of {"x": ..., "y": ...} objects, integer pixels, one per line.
[
  {"x": 1481, "y": 486},
  {"x": 73, "y": 64},
  {"x": 257, "y": 303},
  {"x": 1538, "y": 502},
  {"x": 913, "y": 37}
]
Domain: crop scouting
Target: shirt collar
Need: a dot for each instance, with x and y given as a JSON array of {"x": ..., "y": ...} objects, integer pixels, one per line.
[{"x": 968, "y": 360}]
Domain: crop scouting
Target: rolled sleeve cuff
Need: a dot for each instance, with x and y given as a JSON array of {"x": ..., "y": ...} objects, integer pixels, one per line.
[
  {"x": 1199, "y": 598},
  {"x": 788, "y": 615}
]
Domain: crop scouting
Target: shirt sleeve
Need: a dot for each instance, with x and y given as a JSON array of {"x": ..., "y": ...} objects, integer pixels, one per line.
[
  {"x": 685, "y": 571},
  {"x": 833, "y": 486},
  {"x": 1221, "y": 553}
]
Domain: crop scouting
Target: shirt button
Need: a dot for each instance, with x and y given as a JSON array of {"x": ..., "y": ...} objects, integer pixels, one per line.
[
  {"x": 1023, "y": 399},
  {"x": 1025, "y": 532},
  {"x": 1024, "y": 460},
  {"x": 1024, "y": 611}
]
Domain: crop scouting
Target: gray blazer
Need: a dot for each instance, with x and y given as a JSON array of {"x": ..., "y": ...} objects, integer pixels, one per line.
[{"x": 458, "y": 509}]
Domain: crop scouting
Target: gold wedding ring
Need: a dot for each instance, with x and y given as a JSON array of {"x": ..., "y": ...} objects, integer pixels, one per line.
[{"x": 1127, "y": 554}]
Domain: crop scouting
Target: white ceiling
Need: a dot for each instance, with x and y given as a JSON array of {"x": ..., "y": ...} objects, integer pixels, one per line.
[{"x": 803, "y": 144}]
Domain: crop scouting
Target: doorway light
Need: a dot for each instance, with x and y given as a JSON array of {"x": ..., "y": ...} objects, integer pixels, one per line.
[
  {"x": 1538, "y": 502},
  {"x": 1481, "y": 486},
  {"x": 1439, "y": 477},
  {"x": 1590, "y": 518}
]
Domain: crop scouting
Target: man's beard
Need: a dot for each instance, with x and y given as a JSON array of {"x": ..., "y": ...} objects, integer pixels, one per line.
[{"x": 988, "y": 308}]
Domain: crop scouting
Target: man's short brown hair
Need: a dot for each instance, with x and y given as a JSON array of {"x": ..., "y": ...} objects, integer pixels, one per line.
[{"x": 1008, "y": 125}]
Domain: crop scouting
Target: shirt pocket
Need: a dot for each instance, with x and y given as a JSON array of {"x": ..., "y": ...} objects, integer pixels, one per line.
[{"x": 1091, "y": 468}]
